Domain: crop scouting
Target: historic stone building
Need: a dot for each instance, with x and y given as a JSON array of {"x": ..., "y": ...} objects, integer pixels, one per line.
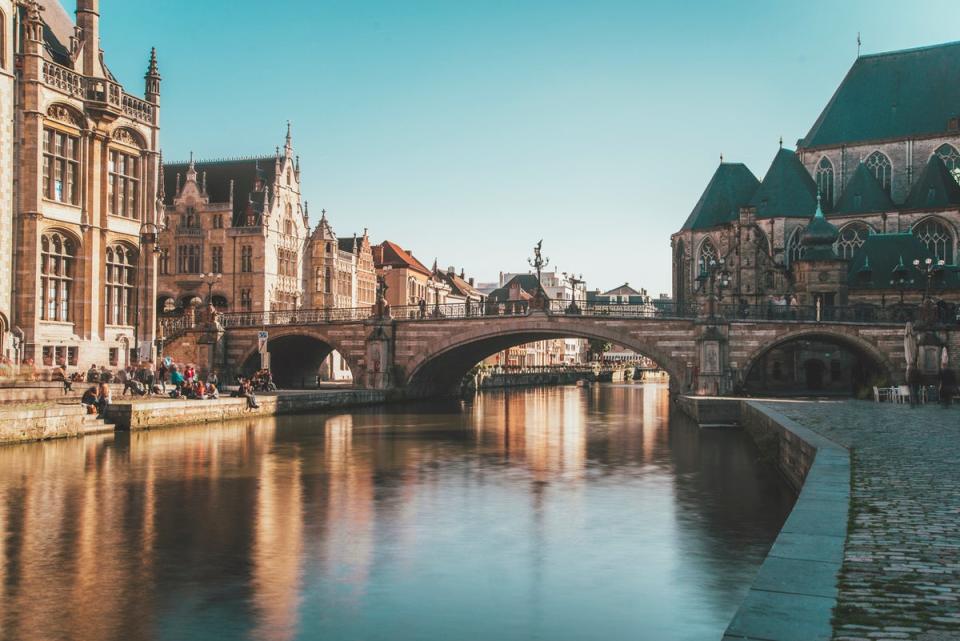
[
  {"x": 85, "y": 153},
  {"x": 863, "y": 216},
  {"x": 882, "y": 162},
  {"x": 235, "y": 232},
  {"x": 408, "y": 280},
  {"x": 7, "y": 165},
  {"x": 340, "y": 271}
]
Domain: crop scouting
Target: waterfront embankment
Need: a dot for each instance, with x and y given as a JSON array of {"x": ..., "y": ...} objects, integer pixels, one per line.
[{"x": 21, "y": 423}]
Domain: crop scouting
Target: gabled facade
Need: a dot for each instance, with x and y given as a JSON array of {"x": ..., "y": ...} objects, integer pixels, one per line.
[
  {"x": 409, "y": 282},
  {"x": 883, "y": 157},
  {"x": 85, "y": 208},
  {"x": 241, "y": 220},
  {"x": 339, "y": 271}
]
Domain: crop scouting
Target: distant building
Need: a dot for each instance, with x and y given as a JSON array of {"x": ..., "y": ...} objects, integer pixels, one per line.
[
  {"x": 462, "y": 289},
  {"x": 240, "y": 219},
  {"x": 408, "y": 280}
]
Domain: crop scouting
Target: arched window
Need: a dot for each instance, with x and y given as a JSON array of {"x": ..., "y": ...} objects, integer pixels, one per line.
[
  {"x": 120, "y": 281},
  {"x": 707, "y": 255},
  {"x": 880, "y": 166},
  {"x": 825, "y": 181},
  {"x": 328, "y": 281},
  {"x": 218, "y": 301},
  {"x": 795, "y": 247},
  {"x": 288, "y": 227},
  {"x": 851, "y": 239},
  {"x": 951, "y": 158},
  {"x": 57, "y": 256},
  {"x": 937, "y": 237}
]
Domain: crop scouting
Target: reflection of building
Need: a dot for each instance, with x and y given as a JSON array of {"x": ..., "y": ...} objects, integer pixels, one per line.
[
  {"x": 876, "y": 169},
  {"x": 85, "y": 152},
  {"x": 239, "y": 218}
]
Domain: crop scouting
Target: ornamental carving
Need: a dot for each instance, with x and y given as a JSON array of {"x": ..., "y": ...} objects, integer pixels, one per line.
[
  {"x": 126, "y": 137},
  {"x": 64, "y": 114}
]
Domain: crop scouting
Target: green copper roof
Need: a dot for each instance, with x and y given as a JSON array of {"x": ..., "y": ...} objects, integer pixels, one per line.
[
  {"x": 730, "y": 189},
  {"x": 898, "y": 94},
  {"x": 874, "y": 264},
  {"x": 936, "y": 188},
  {"x": 786, "y": 190},
  {"x": 818, "y": 237},
  {"x": 863, "y": 194}
]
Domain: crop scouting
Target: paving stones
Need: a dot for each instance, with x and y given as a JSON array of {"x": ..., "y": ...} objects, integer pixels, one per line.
[{"x": 900, "y": 577}]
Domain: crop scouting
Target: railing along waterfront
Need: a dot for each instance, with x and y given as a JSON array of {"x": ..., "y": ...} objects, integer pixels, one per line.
[{"x": 174, "y": 326}]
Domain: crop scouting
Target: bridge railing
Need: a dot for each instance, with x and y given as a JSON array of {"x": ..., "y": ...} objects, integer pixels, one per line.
[
  {"x": 295, "y": 317},
  {"x": 827, "y": 314}
]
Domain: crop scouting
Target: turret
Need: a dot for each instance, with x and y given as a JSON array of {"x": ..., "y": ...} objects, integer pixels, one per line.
[
  {"x": 88, "y": 19},
  {"x": 152, "y": 79},
  {"x": 819, "y": 237}
]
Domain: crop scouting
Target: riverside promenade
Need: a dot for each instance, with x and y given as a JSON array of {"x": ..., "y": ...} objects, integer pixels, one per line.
[{"x": 900, "y": 576}]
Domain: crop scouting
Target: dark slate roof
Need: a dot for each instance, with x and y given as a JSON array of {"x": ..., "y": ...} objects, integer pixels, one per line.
[
  {"x": 818, "y": 238},
  {"x": 898, "y": 94},
  {"x": 244, "y": 172},
  {"x": 528, "y": 284},
  {"x": 730, "y": 189},
  {"x": 346, "y": 244},
  {"x": 787, "y": 189},
  {"x": 881, "y": 254},
  {"x": 936, "y": 188},
  {"x": 863, "y": 194}
]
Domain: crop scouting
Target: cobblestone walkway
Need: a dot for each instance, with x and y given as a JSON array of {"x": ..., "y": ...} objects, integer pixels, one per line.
[{"x": 901, "y": 567}]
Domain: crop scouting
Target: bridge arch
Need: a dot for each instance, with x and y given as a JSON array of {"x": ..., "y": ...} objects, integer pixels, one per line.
[
  {"x": 870, "y": 354},
  {"x": 441, "y": 367},
  {"x": 296, "y": 354}
]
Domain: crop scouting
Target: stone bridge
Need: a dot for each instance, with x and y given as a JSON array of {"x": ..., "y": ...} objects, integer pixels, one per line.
[{"x": 429, "y": 356}]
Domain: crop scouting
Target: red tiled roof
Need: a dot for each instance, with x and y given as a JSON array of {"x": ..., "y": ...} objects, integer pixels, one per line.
[{"x": 392, "y": 255}]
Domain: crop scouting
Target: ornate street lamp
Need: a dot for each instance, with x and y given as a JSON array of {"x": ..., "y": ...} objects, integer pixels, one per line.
[
  {"x": 715, "y": 275},
  {"x": 211, "y": 279},
  {"x": 932, "y": 270}
]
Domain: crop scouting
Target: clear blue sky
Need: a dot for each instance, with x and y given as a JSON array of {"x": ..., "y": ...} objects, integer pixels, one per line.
[{"x": 468, "y": 130}]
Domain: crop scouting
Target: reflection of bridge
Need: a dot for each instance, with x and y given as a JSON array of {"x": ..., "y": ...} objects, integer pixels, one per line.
[{"x": 429, "y": 351}]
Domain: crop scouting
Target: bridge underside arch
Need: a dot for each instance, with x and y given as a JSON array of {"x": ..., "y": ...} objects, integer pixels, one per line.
[
  {"x": 295, "y": 359},
  {"x": 817, "y": 362},
  {"x": 441, "y": 371}
]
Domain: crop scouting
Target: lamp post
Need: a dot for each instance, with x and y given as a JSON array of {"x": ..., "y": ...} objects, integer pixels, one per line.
[
  {"x": 147, "y": 235},
  {"x": 901, "y": 278},
  {"x": 930, "y": 269},
  {"x": 715, "y": 275},
  {"x": 211, "y": 279}
]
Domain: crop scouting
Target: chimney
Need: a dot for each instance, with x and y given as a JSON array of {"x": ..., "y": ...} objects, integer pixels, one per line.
[
  {"x": 471, "y": 281},
  {"x": 451, "y": 270},
  {"x": 88, "y": 19}
]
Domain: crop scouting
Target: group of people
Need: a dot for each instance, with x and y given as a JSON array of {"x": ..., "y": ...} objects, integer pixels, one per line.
[
  {"x": 97, "y": 398},
  {"x": 186, "y": 383},
  {"x": 245, "y": 389}
]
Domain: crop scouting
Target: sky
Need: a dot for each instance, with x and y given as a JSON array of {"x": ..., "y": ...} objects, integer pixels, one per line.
[{"x": 468, "y": 130}]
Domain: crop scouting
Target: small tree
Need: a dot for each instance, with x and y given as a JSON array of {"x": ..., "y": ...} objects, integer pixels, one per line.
[{"x": 598, "y": 348}]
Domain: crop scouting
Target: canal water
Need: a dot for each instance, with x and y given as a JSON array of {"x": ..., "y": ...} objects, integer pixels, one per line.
[{"x": 554, "y": 514}]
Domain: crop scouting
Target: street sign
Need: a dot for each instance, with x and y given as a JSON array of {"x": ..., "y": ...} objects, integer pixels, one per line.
[
  {"x": 167, "y": 361},
  {"x": 262, "y": 337}
]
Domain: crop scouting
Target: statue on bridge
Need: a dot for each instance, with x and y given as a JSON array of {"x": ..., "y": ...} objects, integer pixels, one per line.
[
  {"x": 381, "y": 308},
  {"x": 540, "y": 301}
]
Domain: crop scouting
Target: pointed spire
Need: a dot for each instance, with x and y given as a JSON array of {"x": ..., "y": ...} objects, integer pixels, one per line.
[
  {"x": 289, "y": 143},
  {"x": 781, "y": 142},
  {"x": 819, "y": 212},
  {"x": 152, "y": 78},
  {"x": 721, "y": 157},
  {"x": 152, "y": 68},
  {"x": 434, "y": 265}
]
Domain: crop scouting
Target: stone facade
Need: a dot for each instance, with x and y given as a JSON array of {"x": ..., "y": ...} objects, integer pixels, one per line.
[
  {"x": 7, "y": 171},
  {"x": 86, "y": 153},
  {"x": 235, "y": 232}
]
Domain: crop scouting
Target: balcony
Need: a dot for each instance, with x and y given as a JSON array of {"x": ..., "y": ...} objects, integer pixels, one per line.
[{"x": 100, "y": 94}]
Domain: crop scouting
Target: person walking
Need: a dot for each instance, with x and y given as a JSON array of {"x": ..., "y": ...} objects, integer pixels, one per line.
[
  {"x": 162, "y": 372},
  {"x": 948, "y": 380},
  {"x": 913, "y": 380},
  {"x": 177, "y": 380}
]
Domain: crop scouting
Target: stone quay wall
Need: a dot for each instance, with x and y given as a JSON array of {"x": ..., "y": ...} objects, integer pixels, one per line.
[
  {"x": 795, "y": 592},
  {"x": 142, "y": 415},
  {"x": 24, "y": 424}
]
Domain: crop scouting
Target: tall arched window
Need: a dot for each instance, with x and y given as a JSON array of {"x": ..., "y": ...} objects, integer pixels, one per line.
[
  {"x": 851, "y": 239},
  {"x": 708, "y": 254},
  {"x": 937, "y": 237},
  {"x": 880, "y": 166},
  {"x": 57, "y": 256},
  {"x": 825, "y": 181},
  {"x": 328, "y": 281},
  {"x": 795, "y": 247},
  {"x": 951, "y": 158},
  {"x": 121, "y": 279}
]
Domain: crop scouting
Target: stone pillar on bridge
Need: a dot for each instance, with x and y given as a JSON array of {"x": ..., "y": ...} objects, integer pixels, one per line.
[
  {"x": 713, "y": 372},
  {"x": 379, "y": 354}
]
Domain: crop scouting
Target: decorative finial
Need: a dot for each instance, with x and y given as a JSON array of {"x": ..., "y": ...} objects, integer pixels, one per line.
[
  {"x": 781, "y": 142},
  {"x": 191, "y": 160},
  {"x": 721, "y": 157},
  {"x": 153, "y": 70},
  {"x": 288, "y": 133},
  {"x": 819, "y": 212},
  {"x": 858, "y": 44}
]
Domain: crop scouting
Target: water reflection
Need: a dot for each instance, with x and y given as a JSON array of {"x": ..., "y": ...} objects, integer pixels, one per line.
[{"x": 563, "y": 513}]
